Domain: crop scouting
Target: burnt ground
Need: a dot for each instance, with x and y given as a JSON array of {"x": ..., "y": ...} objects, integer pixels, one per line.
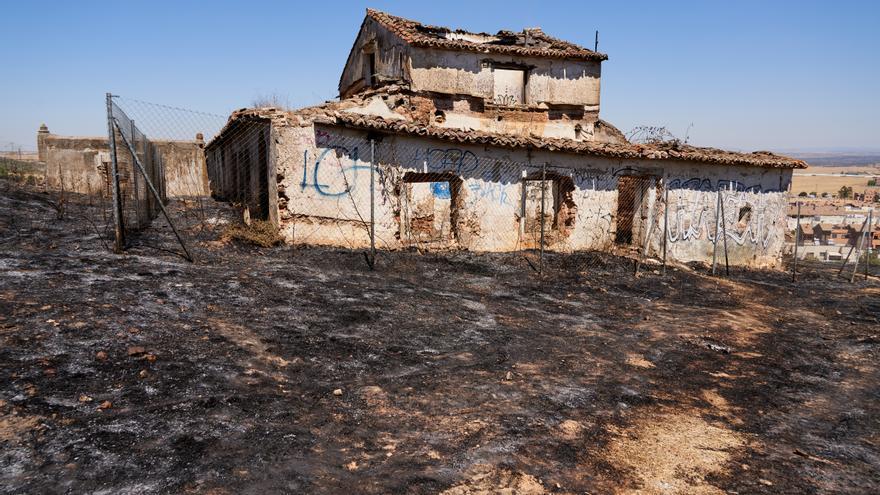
[{"x": 144, "y": 373}]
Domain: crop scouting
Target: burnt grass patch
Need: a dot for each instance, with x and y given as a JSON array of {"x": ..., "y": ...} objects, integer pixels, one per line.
[{"x": 285, "y": 369}]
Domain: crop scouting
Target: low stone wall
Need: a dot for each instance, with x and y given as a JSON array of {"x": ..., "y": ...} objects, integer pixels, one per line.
[{"x": 81, "y": 164}]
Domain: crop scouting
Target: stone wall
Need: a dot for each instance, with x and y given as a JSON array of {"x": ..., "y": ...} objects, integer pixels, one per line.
[
  {"x": 81, "y": 164},
  {"x": 487, "y": 195},
  {"x": 239, "y": 168}
]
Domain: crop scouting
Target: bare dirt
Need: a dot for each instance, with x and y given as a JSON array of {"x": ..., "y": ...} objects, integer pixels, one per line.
[{"x": 301, "y": 371}]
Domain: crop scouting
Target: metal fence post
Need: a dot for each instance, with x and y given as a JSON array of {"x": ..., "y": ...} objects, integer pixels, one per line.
[
  {"x": 543, "y": 190},
  {"x": 372, "y": 204},
  {"x": 724, "y": 232},
  {"x": 858, "y": 253},
  {"x": 134, "y": 180},
  {"x": 717, "y": 222},
  {"x": 156, "y": 193},
  {"x": 870, "y": 241},
  {"x": 643, "y": 253},
  {"x": 797, "y": 240},
  {"x": 119, "y": 240},
  {"x": 665, "y": 223},
  {"x": 846, "y": 260}
]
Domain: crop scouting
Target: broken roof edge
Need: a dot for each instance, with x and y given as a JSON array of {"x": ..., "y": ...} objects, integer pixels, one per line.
[
  {"x": 262, "y": 115},
  {"x": 409, "y": 31},
  {"x": 333, "y": 113},
  {"x": 664, "y": 151}
]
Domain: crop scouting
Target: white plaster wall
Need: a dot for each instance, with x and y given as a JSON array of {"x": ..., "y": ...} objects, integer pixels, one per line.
[
  {"x": 325, "y": 175},
  {"x": 568, "y": 82}
]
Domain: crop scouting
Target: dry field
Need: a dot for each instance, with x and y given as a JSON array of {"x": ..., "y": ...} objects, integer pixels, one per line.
[
  {"x": 804, "y": 181},
  {"x": 301, "y": 371}
]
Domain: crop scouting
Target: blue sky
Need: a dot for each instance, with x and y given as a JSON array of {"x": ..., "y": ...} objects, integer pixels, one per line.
[{"x": 748, "y": 75}]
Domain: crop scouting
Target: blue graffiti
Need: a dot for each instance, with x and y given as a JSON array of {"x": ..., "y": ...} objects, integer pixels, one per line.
[
  {"x": 492, "y": 191},
  {"x": 448, "y": 160},
  {"x": 347, "y": 174},
  {"x": 440, "y": 190}
]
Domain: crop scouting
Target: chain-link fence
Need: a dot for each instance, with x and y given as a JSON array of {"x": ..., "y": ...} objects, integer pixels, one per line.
[
  {"x": 382, "y": 195},
  {"x": 846, "y": 250},
  {"x": 279, "y": 179},
  {"x": 157, "y": 153}
]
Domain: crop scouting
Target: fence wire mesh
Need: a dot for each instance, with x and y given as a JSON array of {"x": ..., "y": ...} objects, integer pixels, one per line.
[
  {"x": 847, "y": 250},
  {"x": 385, "y": 195},
  {"x": 379, "y": 195}
]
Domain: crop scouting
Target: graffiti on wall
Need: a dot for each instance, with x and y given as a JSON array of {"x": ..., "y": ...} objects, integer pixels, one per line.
[
  {"x": 747, "y": 218},
  {"x": 491, "y": 191},
  {"x": 446, "y": 160},
  {"x": 440, "y": 190},
  {"x": 706, "y": 185},
  {"x": 334, "y": 172}
]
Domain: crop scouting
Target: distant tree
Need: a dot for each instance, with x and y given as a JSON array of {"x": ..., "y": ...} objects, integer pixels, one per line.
[
  {"x": 813, "y": 194},
  {"x": 845, "y": 192},
  {"x": 872, "y": 182},
  {"x": 803, "y": 194}
]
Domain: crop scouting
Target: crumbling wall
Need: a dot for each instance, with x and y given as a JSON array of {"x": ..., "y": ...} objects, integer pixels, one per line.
[
  {"x": 390, "y": 55},
  {"x": 185, "y": 168},
  {"x": 81, "y": 164},
  {"x": 755, "y": 206},
  {"x": 323, "y": 184},
  {"x": 240, "y": 169},
  {"x": 549, "y": 81}
]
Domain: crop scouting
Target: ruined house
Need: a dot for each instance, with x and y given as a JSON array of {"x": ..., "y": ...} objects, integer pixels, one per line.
[{"x": 475, "y": 140}]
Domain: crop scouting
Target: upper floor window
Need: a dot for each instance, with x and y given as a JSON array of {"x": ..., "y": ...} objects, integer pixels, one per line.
[
  {"x": 370, "y": 69},
  {"x": 509, "y": 86}
]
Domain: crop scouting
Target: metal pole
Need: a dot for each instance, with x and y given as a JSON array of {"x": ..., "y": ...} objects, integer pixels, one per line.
[
  {"x": 134, "y": 180},
  {"x": 724, "y": 232},
  {"x": 543, "y": 189},
  {"x": 856, "y": 263},
  {"x": 643, "y": 253},
  {"x": 372, "y": 204},
  {"x": 846, "y": 260},
  {"x": 797, "y": 240},
  {"x": 665, "y": 225},
  {"x": 119, "y": 240},
  {"x": 870, "y": 241},
  {"x": 717, "y": 219},
  {"x": 155, "y": 193}
]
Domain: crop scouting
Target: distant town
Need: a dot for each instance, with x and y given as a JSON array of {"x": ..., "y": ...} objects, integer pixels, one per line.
[{"x": 834, "y": 209}]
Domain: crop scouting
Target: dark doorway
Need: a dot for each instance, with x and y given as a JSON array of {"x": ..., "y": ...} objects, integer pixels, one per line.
[
  {"x": 631, "y": 197},
  {"x": 263, "y": 167}
]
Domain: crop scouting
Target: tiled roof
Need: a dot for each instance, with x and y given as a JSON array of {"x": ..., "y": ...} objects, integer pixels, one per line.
[
  {"x": 665, "y": 151},
  {"x": 330, "y": 113},
  {"x": 530, "y": 42}
]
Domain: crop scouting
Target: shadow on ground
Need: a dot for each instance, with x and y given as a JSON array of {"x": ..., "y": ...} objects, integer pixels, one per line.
[{"x": 301, "y": 371}]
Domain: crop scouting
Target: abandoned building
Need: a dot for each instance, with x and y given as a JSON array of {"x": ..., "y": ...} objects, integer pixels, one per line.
[
  {"x": 460, "y": 128},
  {"x": 81, "y": 164}
]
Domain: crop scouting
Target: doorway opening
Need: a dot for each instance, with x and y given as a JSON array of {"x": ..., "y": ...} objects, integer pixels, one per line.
[
  {"x": 632, "y": 208},
  {"x": 429, "y": 208}
]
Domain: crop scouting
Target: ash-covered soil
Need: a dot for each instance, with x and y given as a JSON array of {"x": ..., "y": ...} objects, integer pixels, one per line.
[{"x": 301, "y": 371}]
